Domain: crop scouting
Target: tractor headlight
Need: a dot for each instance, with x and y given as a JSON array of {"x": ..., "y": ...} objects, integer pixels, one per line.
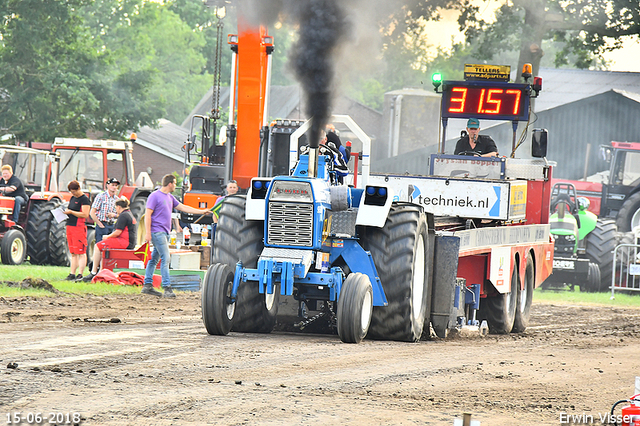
[
  {"x": 284, "y": 190},
  {"x": 570, "y": 238}
]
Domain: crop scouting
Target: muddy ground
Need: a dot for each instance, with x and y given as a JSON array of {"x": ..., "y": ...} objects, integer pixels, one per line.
[{"x": 138, "y": 360}]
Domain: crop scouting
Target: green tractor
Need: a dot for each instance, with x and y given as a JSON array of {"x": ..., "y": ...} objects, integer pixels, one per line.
[{"x": 584, "y": 244}]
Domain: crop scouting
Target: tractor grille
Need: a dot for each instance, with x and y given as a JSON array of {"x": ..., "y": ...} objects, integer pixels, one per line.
[{"x": 290, "y": 224}]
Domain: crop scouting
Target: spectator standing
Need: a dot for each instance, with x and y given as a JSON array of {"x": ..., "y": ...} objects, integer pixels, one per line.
[
  {"x": 103, "y": 210},
  {"x": 157, "y": 227},
  {"x": 11, "y": 186},
  {"x": 78, "y": 212},
  {"x": 123, "y": 236}
]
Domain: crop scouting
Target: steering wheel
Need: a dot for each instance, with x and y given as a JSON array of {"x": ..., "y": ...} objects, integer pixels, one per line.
[{"x": 471, "y": 153}]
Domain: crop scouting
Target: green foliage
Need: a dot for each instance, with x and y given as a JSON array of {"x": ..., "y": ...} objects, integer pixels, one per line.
[
  {"x": 178, "y": 191},
  {"x": 369, "y": 92},
  {"x": 151, "y": 39},
  {"x": 284, "y": 37},
  {"x": 578, "y": 32},
  {"x": 58, "y": 80}
]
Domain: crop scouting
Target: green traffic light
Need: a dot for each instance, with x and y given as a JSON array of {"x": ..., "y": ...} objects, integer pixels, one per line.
[{"x": 436, "y": 80}]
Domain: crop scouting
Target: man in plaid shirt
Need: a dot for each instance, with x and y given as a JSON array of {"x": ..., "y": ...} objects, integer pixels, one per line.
[{"x": 103, "y": 209}]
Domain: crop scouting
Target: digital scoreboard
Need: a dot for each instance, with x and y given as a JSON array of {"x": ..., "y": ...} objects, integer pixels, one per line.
[{"x": 492, "y": 100}]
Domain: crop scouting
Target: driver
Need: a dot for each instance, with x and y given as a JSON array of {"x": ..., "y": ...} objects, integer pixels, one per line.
[
  {"x": 93, "y": 173},
  {"x": 473, "y": 142}
]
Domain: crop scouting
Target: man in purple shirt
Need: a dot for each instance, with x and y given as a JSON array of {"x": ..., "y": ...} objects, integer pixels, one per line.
[{"x": 160, "y": 204}]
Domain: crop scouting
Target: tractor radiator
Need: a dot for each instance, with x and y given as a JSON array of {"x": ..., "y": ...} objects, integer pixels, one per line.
[{"x": 290, "y": 224}]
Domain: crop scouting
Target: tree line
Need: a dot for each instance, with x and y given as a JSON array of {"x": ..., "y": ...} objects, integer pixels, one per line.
[{"x": 111, "y": 66}]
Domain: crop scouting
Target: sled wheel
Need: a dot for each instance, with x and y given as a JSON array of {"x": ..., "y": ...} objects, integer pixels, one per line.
[
  {"x": 525, "y": 297},
  {"x": 500, "y": 310},
  {"x": 355, "y": 306}
]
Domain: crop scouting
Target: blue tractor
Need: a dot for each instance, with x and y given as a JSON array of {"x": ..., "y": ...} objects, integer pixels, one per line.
[{"x": 347, "y": 252}]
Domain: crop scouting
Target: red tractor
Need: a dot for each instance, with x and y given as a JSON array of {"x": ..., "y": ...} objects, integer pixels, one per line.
[
  {"x": 615, "y": 193},
  {"x": 91, "y": 163},
  {"x": 37, "y": 235},
  {"x": 28, "y": 165}
]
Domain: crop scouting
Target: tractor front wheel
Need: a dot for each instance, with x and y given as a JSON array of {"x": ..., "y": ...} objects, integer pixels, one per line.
[
  {"x": 218, "y": 310},
  {"x": 600, "y": 245},
  {"x": 239, "y": 239},
  {"x": 593, "y": 279},
  {"x": 14, "y": 247},
  {"x": 355, "y": 306}
]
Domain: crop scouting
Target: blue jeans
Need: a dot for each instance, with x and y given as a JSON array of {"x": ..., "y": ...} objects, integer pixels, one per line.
[
  {"x": 101, "y": 232},
  {"x": 160, "y": 242},
  {"x": 19, "y": 202}
]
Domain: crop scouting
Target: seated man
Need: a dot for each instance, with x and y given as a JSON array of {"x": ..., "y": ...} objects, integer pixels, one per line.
[
  {"x": 92, "y": 178},
  {"x": 330, "y": 145},
  {"x": 11, "y": 186},
  {"x": 232, "y": 188},
  {"x": 123, "y": 237},
  {"x": 483, "y": 145}
]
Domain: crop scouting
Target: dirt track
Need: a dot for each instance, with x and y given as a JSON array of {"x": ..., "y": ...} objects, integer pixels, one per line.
[{"x": 139, "y": 360}]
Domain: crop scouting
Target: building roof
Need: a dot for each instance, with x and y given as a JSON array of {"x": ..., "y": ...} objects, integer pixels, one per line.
[
  {"x": 167, "y": 139},
  {"x": 562, "y": 86},
  {"x": 283, "y": 102}
]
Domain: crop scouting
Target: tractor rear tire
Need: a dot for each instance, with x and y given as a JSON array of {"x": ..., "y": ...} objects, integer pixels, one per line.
[
  {"x": 217, "y": 310},
  {"x": 525, "y": 297},
  {"x": 39, "y": 225},
  {"x": 14, "y": 247},
  {"x": 600, "y": 245},
  {"x": 59, "y": 254},
  {"x": 238, "y": 239},
  {"x": 355, "y": 306},
  {"x": 629, "y": 214},
  {"x": 500, "y": 310},
  {"x": 399, "y": 251},
  {"x": 138, "y": 209}
]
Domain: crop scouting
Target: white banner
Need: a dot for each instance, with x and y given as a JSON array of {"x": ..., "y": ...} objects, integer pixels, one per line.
[{"x": 450, "y": 197}]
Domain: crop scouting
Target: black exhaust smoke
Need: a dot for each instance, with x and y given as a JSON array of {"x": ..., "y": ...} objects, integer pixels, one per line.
[{"x": 323, "y": 25}]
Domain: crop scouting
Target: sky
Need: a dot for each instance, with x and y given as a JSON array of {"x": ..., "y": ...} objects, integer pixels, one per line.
[{"x": 441, "y": 33}]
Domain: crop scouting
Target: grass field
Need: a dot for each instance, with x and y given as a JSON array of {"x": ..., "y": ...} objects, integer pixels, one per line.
[{"x": 55, "y": 276}]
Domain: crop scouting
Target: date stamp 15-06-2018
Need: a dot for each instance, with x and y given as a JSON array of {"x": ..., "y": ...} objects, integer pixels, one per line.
[{"x": 46, "y": 418}]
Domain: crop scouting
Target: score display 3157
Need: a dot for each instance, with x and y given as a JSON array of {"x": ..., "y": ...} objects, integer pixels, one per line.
[{"x": 497, "y": 101}]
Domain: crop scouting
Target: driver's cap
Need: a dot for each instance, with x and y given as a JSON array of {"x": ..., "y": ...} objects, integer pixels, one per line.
[{"x": 473, "y": 123}]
